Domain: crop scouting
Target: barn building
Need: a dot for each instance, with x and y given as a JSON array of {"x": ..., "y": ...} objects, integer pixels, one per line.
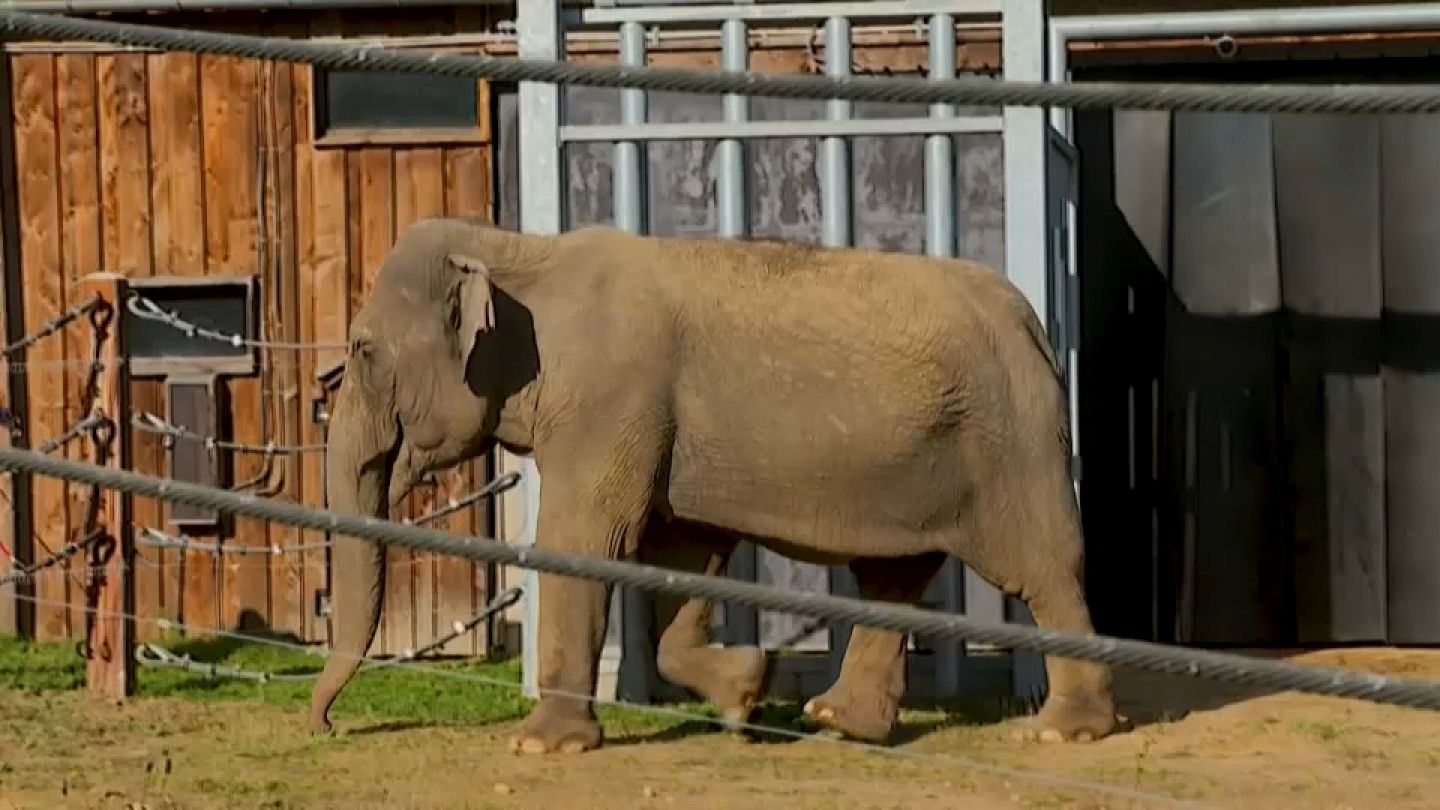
[{"x": 1246, "y": 316}]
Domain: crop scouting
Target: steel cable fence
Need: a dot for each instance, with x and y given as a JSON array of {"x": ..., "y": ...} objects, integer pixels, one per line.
[
  {"x": 1114, "y": 651},
  {"x": 967, "y": 91}
]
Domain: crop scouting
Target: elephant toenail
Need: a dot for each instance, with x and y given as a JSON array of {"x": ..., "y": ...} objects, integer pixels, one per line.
[
  {"x": 1050, "y": 735},
  {"x": 572, "y": 747},
  {"x": 532, "y": 745},
  {"x": 1085, "y": 736}
]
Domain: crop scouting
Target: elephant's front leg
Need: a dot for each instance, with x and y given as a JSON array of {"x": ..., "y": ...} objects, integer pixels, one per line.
[
  {"x": 596, "y": 501},
  {"x": 571, "y": 633}
]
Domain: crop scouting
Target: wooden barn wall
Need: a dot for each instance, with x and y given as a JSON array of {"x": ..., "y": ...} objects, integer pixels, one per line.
[{"x": 176, "y": 165}]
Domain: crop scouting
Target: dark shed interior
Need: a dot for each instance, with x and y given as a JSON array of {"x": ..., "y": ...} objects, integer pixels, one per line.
[{"x": 1260, "y": 355}]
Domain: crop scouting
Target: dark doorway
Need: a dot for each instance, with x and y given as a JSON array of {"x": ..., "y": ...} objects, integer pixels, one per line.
[{"x": 1260, "y": 349}]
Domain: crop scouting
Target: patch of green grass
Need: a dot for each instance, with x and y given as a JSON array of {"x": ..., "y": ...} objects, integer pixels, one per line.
[{"x": 461, "y": 693}]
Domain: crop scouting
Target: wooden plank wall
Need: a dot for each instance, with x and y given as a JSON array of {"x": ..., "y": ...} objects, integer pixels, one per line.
[{"x": 177, "y": 164}]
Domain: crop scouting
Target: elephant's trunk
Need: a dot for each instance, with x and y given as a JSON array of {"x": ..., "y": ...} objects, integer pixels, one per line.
[{"x": 358, "y": 467}]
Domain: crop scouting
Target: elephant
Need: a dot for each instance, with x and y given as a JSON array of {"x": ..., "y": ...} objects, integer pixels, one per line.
[{"x": 839, "y": 406}]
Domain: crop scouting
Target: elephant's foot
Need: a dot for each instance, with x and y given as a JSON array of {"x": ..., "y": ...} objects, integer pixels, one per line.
[
  {"x": 1073, "y": 718},
  {"x": 867, "y": 715},
  {"x": 551, "y": 728},
  {"x": 730, "y": 678}
]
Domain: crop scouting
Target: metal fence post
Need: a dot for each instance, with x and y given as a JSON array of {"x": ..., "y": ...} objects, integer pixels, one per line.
[
  {"x": 110, "y": 668},
  {"x": 742, "y": 622},
  {"x": 836, "y": 231},
  {"x": 627, "y": 662},
  {"x": 940, "y": 222},
  {"x": 1027, "y": 255},
  {"x": 540, "y": 35}
]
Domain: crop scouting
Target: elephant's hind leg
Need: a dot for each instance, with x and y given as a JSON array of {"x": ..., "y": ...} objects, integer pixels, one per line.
[
  {"x": 1027, "y": 542},
  {"x": 730, "y": 678},
  {"x": 865, "y": 700}
]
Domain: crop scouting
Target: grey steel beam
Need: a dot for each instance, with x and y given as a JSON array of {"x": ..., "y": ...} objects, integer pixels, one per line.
[
  {"x": 1366, "y": 18},
  {"x": 742, "y": 622},
  {"x": 1027, "y": 239},
  {"x": 754, "y": 12},
  {"x": 152, "y": 6},
  {"x": 542, "y": 193},
  {"x": 756, "y": 130},
  {"x": 836, "y": 231}
]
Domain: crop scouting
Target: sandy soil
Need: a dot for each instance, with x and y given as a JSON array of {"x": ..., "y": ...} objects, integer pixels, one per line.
[{"x": 1206, "y": 744}]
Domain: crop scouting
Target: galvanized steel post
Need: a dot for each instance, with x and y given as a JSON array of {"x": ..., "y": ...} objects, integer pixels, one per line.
[
  {"x": 627, "y": 659},
  {"x": 940, "y": 222},
  {"x": 540, "y": 35},
  {"x": 1027, "y": 239},
  {"x": 836, "y": 231},
  {"x": 742, "y": 622}
]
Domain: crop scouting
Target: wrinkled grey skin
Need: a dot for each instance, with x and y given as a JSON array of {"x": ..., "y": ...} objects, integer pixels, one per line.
[{"x": 837, "y": 406}]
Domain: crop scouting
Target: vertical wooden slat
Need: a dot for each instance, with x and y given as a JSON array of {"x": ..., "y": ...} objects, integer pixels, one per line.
[
  {"x": 324, "y": 298},
  {"x": 289, "y": 574},
  {"x": 38, "y": 177},
  {"x": 80, "y": 248},
  {"x": 420, "y": 194},
  {"x": 461, "y": 585},
  {"x": 126, "y": 234},
  {"x": 14, "y": 521},
  {"x": 229, "y": 115},
  {"x": 177, "y": 199}
]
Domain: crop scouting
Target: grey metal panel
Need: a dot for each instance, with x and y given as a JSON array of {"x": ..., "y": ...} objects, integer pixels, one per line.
[
  {"x": 683, "y": 174},
  {"x": 888, "y": 201},
  {"x": 1220, "y": 380},
  {"x": 1142, "y": 179},
  {"x": 1225, "y": 255},
  {"x": 1411, "y": 200},
  {"x": 589, "y": 167},
  {"x": 980, "y": 199},
  {"x": 1327, "y": 176}
]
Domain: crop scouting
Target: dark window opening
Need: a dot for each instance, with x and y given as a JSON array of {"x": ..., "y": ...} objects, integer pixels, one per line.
[
  {"x": 223, "y": 306},
  {"x": 370, "y": 100},
  {"x": 192, "y": 406}
]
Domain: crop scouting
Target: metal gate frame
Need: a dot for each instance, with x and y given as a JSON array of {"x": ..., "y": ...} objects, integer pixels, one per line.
[{"x": 1029, "y": 244}]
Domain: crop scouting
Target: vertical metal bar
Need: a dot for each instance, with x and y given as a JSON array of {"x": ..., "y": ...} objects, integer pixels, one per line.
[
  {"x": 629, "y": 163},
  {"x": 742, "y": 622},
  {"x": 1023, "y": 48},
  {"x": 540, "y": 35},
  {"x": 626, "y": 661},
  {"x": 835, "y": 205},
  {"x": 940, "y": 149},
  {"x": 835, "y": 151},
  {"x": 940, "y": 241}
]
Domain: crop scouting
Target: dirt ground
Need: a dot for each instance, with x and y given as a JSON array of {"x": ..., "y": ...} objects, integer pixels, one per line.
[{"x": 1205, "y": 744}]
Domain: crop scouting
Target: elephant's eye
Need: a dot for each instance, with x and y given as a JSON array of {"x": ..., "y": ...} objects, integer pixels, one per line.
[{"x": 361, "y": 348}]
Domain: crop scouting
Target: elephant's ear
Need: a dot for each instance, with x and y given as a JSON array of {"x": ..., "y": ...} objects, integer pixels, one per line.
[{"x": 474, "y": 301}]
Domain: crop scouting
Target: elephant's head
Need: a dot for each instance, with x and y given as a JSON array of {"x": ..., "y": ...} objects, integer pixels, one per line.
[{"x": 435, "y": 355}]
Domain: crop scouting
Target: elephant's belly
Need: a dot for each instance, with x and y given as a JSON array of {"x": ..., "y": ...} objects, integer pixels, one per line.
[{"x": 823, "y": 513}]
